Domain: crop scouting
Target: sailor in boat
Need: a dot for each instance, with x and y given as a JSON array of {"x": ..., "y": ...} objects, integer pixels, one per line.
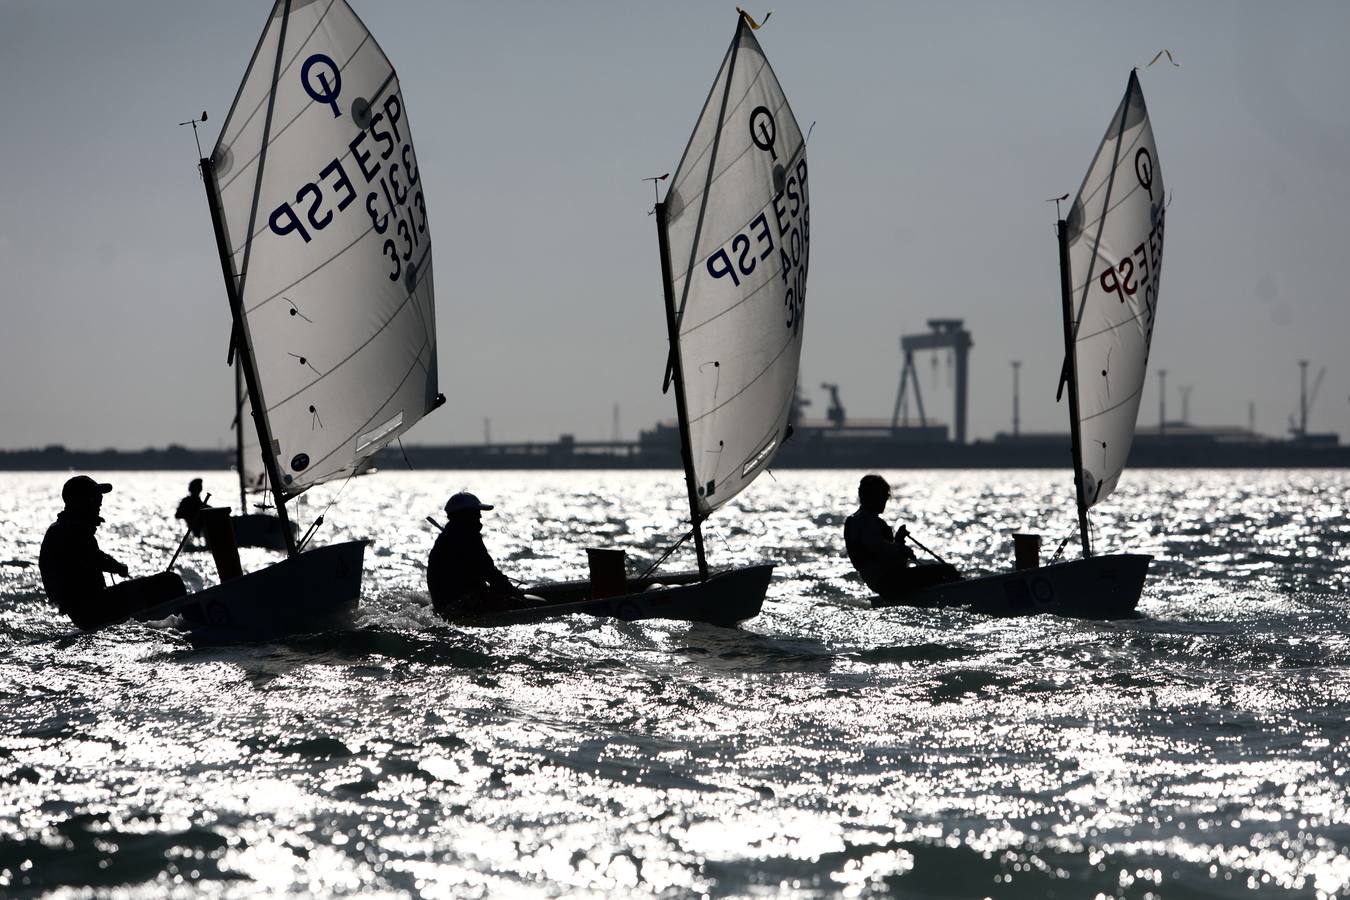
[
  {"x": 880, "y": 555},
  {"x": 191, "y": 506},
  {"x": 72, "y": 565},
  {"x": 461, "y": 575}
]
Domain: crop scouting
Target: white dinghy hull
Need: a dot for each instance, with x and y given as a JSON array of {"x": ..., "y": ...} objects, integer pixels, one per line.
[
  {"x": 301, "y": 594},
  {"x": 725, "y": 598},
  {"x": 1099, "y": 587}
]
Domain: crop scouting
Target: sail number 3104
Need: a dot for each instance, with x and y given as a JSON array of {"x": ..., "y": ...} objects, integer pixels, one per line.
[{"x": 787, "y": 236}]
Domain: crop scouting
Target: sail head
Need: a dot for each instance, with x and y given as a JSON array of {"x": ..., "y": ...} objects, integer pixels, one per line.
[
  {"x": 322, "y": 201},
  {"x": 1115, "y": 236},
  {"x": 738, "y": 224}
]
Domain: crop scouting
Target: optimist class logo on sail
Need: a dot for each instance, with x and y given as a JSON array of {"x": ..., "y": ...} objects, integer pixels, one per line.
[
  {"x": 382, "y": 155},
  {"x": 789, "y": 233}
]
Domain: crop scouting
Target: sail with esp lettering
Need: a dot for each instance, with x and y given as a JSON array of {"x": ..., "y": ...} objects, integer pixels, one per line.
[
  {"x": 738, "y": 226},
  {"x": 321, "y": 196},
  {"x": 1115, "y": 241}
]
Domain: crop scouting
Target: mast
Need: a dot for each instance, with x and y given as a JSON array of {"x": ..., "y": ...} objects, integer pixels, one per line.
[
  {"x": 244, "y": 354},
  {"x": 677, "y": 372},
  {"x": 1071, "y": 371},
  {"x": 239, "y": 436}
]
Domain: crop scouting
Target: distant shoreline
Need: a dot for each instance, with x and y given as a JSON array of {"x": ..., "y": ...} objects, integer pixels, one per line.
[{"x": 1028, "y": 452}]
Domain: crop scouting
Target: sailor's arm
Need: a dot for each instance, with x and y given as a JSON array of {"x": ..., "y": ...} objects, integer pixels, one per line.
[{"x": 108, "y": 564}]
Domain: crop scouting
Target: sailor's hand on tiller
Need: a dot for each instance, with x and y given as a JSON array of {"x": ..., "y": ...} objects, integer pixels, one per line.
[{"x": 901, "y": 532}]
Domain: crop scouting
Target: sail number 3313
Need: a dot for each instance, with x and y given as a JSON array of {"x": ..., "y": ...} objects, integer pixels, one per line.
[
  {"x": 783, "y": 230},
  {"x": 381, "y": 152}
]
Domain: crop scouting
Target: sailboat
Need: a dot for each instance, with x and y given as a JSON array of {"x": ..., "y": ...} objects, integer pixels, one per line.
[
  {"x": 316, "y": 201},
  {"x": 1110, "y": 258},
  {"x": 733, "y": 236}
]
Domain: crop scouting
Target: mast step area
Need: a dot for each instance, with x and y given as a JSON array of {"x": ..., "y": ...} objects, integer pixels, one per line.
[
  {"x": 310, "y": 592},
  {"x": 1099, "y": 587},
  {"x": 726, "y": 598},
  {"x": 260, "y": 530}
]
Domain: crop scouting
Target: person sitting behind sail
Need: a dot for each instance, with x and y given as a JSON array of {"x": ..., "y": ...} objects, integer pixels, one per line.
[
  {"x": 190, "y": 506},
  {"x": 880, "y": 555},
  {"x": 72, "y": 565},
  {"x": 461, "y": 576}
]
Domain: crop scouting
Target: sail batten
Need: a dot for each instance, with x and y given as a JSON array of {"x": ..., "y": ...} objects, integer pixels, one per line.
[
  {"x": 334, "y": 269},
  {"x": 1115, "y": 243},
  {"x": 737, "y": 218}
]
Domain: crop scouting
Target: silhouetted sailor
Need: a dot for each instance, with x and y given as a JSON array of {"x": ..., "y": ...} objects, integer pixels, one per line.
[
  {"x": 461, "y": 575},
  {"x": 879, "y": 554},
  {"x": 191, "y": 506},
  {"x": 72, "y": 564}
]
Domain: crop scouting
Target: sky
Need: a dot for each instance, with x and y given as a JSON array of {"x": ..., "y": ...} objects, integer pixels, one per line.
[{"x": 940, "y": 129}]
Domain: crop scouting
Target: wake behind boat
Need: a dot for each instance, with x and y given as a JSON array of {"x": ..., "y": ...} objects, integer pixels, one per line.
[{"x": 316, "y": 202}]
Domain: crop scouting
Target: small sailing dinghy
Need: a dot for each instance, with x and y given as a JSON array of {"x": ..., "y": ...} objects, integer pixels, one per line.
[
  {"x": 1110, "y": 256},
  {"x": 315, "y": 196},
  {"x": 733, "y": 233}
]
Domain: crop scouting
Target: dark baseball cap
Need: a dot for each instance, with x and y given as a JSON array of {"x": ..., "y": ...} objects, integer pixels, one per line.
[{"x": 82, "y": 487}]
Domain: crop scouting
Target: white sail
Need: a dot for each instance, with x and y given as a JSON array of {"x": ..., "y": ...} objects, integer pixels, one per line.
[
  {"x": 1115, "y": 237},
  {"x": 738, "y": 222},
  {"x": 321, "y": 196},
  {"x": 252, "y": 473}
]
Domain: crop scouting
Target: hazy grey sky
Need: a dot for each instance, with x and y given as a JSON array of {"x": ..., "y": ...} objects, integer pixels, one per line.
[{"x": 941, "y": 129}]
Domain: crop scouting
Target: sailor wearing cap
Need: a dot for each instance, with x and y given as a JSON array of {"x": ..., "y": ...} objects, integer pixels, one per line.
[
  {"x": 72, "y": 565},
  {"x": 461, "y": 575}
]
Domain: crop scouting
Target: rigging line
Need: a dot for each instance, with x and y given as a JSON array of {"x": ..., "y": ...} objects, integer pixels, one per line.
[
  {"x": 726, "y": 112},
  {"x": 712, "y": 163},
  {"x": 1111, "y": 326},
  {"x": 348, "y": 358},
  {"x": 712, "y": 88},
  {"x": 239, "y": 91},
  {"x": 1100, "y": 254},
  {"x": 262, "y": 162},
  {"x": 319, "y": 520},
  {"x": 1103, "y": 183},
  {"x": 664, "y": 556},
  {"x": 717, "y": 175},
  {"x": 373, "y": 97},
  {"x": 1112, "y": 407},
  {"x": 378, "y": 412},
  {"x": 757, "y": 213},
  {"x": 1101, "y": 221},
  {"x": 304, "y": 108},
  {"x": 261, "y": 303},
  {"x": 749, "y": 384}
]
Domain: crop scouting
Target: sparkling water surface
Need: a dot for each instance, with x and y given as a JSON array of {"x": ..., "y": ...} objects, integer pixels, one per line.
[{"x": 1200, "y": 750}]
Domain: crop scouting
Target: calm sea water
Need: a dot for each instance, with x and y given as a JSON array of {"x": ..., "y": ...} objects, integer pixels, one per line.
[{"x": 1201, "y": 750}]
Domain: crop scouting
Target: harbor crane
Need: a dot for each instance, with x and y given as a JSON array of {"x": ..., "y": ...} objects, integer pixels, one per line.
[
  {"x": 835, "y": 412},
  {"x": 945, "y": 334}
]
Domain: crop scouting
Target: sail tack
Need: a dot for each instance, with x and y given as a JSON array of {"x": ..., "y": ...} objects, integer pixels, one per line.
[
  {"x": 326, "y": 220},
  {"x": 738, "y": 221},
  {"x": 1115, "y": 236}
]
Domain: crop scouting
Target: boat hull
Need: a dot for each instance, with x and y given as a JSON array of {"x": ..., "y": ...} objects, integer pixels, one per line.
[
  {"x": 259, "y": 530},
  {"x": 294, "y": 596},
  {"x": 1099, "y": 587},
  {"x": 726, "y": 599}
]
